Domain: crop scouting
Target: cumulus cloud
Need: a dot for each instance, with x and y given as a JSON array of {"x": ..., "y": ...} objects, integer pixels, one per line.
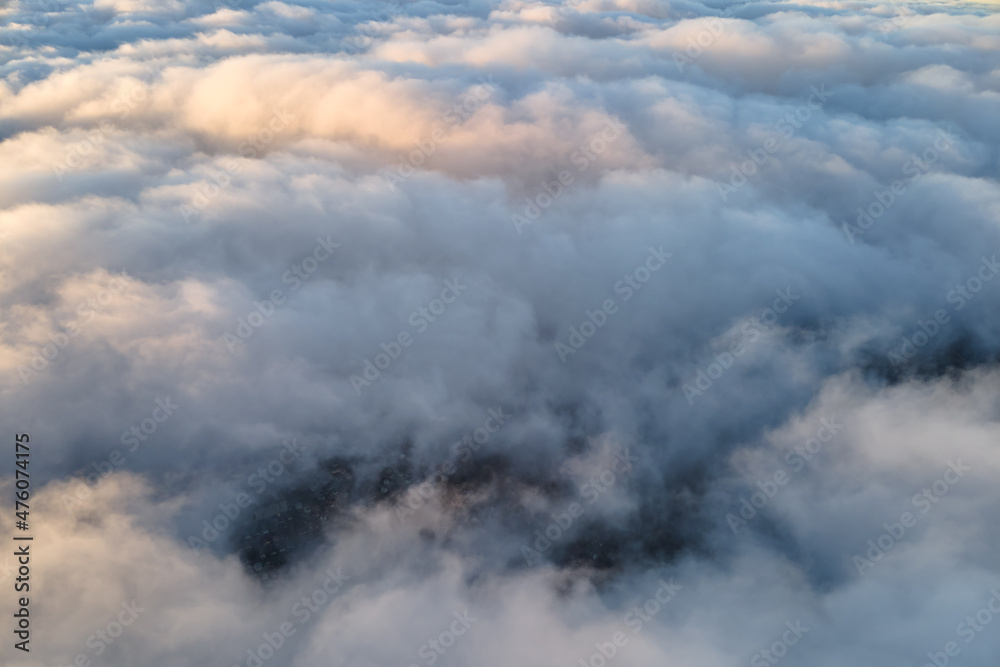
[{"x": 510, "y": 333}]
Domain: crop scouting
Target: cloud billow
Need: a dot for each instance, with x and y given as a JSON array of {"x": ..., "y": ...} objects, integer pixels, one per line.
[{"x": 465, "y": 255}]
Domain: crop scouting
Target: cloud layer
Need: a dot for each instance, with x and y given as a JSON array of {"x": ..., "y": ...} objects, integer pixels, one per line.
[{"x": 516, "y": 326}]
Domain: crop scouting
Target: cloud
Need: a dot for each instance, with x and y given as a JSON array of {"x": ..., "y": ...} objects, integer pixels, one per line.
[{"x": 363, "y": 233}]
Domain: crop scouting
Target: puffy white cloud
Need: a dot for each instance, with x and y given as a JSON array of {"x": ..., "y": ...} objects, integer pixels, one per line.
[{"x": 458, "y": 258}]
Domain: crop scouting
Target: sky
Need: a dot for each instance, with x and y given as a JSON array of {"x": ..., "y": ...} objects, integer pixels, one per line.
[{"x": 599, "y": 333}]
